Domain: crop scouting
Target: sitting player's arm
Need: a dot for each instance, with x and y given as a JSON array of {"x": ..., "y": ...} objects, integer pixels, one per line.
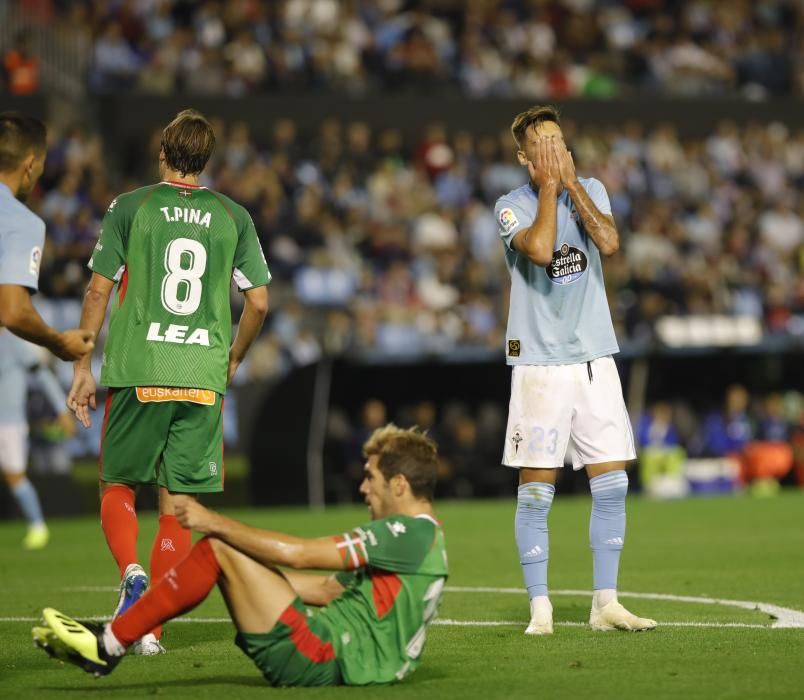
[
  {"x": 314, "y": 589},
  {"x": 267, "y": 547}
]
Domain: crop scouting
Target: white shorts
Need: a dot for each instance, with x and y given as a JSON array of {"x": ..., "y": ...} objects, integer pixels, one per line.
[
  {"x": 556, "y": 407},
  {"x": 13, "y": 447}
]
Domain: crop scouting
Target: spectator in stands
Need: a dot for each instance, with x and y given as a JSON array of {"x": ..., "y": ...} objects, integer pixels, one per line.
[
  {"x": 21, "y": 66},
  {"x": 726, "y": 432}
]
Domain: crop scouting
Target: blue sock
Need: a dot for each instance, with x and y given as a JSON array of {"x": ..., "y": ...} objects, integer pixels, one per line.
[
  {"x": 28, "y": 501},
  {"x": 533, "y": 504},
  {"x": 607, "y": 526}
]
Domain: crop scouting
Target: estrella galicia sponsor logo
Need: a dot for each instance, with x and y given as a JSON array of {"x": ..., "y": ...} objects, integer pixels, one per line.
[{"x": 568, "y": 264}]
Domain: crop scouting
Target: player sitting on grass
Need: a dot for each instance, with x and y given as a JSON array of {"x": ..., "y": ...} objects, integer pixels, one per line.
[{"x": 376, "y": 608}]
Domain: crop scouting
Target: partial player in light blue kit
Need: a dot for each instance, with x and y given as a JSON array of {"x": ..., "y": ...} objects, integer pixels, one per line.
[
  {"x": 565, "y": 389},
  {"x": 21, "y": 366},
  {"x": 22, "y": 238}
]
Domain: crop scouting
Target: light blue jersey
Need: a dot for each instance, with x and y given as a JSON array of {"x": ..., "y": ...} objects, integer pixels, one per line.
[
  {"x": 22, "y": 238},
  {"x": 558, "y": 315},
  {"x": 21, "y": 365}
]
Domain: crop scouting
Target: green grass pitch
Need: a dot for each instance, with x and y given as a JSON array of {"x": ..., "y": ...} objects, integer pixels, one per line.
[{"x": 736, "y": 548}]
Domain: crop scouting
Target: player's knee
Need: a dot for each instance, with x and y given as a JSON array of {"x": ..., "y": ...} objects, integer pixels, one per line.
[
  {"x": 223, "y": 552},
  {"x": 12, "y": 479}
]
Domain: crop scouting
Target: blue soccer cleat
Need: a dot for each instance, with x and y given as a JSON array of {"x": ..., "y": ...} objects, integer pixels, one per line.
[{"x": 132, "y": 588}]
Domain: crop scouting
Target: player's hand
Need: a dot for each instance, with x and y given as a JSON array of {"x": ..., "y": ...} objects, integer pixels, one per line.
[
  {"x": 82, "y": 396},
  {"x": 543, "y": 169},
  {"x": 566, "y": 165},
  {"x": 193, "y": 516},
  {"x": 74, "y": 344}
]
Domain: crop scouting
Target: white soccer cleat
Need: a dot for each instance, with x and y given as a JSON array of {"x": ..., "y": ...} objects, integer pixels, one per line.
[
  {"x": 541, "y": 616},
  {"x": 613, "y": 616},
  {"x": 148, "y": 645}
]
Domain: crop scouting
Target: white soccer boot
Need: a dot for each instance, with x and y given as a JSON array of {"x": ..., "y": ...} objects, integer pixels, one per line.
[
  {"x": 613, "y": 616},
  {"x": 147, "y": 645},
  {"x": 541, "y": 616}
]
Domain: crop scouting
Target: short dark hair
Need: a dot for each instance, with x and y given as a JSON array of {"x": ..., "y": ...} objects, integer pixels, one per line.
[
  {"x": 188, "y": 142},
  {"x": 20, "y": 134},
  {"x": 535, "y": 115},
  {"x": 408, "y": 452}
]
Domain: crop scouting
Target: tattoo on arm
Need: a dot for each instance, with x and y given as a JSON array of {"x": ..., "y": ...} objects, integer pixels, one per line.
[{"x": 599, "y": 226}]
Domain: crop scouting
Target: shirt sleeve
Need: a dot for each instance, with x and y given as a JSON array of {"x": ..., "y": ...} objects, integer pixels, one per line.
[
  {"x": 109, "y": 257},
  {"x": 597, "y": 193},
  {"x": 397, "y": 544},
  {"x": 511, "y": 219},
  {"x": 250, "y": 267},
  {"x": 21, "y": 253}
]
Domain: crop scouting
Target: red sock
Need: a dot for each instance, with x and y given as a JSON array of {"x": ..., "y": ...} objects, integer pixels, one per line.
[
  {"x": 178, "y": 591},
  {"x": 119, "y": 523},
  {"x": 171, "y": 545}
]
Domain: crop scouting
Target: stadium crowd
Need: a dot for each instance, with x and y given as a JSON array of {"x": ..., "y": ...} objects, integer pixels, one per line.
[
  {"x": 538, "y": 49},
  {"x": 381, "y": 246}
]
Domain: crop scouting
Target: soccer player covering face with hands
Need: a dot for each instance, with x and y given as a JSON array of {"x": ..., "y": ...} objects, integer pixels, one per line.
[
  {"x": 371, "y": 627},
  {"x": 565, "y": 389}
]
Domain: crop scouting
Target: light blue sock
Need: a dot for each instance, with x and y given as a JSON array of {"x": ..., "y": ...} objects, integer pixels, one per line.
[
  {"x": 607, "y": 526},
  {"x": 532, "y": 506},
  {"x": 25, "y": 493}
]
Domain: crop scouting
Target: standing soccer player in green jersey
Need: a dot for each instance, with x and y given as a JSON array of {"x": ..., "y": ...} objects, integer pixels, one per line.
[
  {"x": 372, "y": 626},
  {"x": 172, "y": 249}
]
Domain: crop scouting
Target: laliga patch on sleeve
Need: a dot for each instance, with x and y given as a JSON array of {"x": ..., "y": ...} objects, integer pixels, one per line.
[
  {"x": 36, "y": 259},
  {"x": 508, "y": 220}
]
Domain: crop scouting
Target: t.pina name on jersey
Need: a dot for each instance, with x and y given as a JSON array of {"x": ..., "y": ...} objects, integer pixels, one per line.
[
  {"x": 175, "y": 333},
  {"x": 188, "y": 216}
]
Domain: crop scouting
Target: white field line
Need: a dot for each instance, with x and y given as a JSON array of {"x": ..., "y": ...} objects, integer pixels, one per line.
[
  {"x": 785, "y": 618},
  {"x": 445, "y": 622}
]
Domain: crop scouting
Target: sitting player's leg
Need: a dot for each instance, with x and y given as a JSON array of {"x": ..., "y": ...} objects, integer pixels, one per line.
[
  {"x": 171, "y": 544},
  {"x": 534, "y": 498},
  {"x": 255, "y": 595},
  {"x": 609, "y": 485},
  {"x": 13, "y": 460},
  {"x": 99, "y": 648},
  {"x": 274, "y": 630}
]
